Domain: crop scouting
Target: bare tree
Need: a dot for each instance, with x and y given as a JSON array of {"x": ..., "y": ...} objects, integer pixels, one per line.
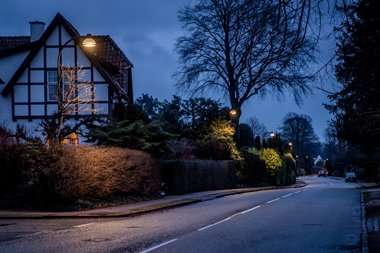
[
  {"x": 245, "y": 48},
  {"x": 74, "y": 95},
  {"x": 298, "y": 129},
  {"x": 258, "y": 128}
]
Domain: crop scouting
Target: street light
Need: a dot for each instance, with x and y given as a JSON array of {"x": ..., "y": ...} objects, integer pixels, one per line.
[{"x": 87, "y": 42}]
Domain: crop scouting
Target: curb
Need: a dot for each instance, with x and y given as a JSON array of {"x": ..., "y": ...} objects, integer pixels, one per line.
[
  {"x": 364, "y": 225},
  {"x": 142, "y": 210}
]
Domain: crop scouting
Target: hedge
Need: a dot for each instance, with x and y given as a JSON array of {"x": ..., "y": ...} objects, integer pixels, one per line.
[{"x": 183, "y": 177}]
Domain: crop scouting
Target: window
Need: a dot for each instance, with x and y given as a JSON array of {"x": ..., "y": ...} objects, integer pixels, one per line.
[
  {"x": 69, "y": 90},
  {"x": 72, "y": 139},
  {"x": 52, "y": 83}
]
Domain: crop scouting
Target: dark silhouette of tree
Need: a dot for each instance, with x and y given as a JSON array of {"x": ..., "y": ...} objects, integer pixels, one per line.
[
  {"x": 258, "y": 128},
  {"x": 257, "y": 143},
  {"x": 247, "y": 137},
  {"x": 247, "y": 48},
  {"x": 357, "y": 106},
  {"x": 298, "y": 130},
  {"x": 200, "y": 112}
]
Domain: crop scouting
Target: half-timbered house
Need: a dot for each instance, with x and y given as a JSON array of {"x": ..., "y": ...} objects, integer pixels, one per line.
[{"x": 29, "y": 72}]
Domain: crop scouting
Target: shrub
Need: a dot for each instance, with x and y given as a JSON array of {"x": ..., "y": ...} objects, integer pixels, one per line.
[
  {"x": 16, "y": 164},
  {"x": 251, "y": 169},
  {"x": 217, "y": 143},
  {"x": 290, "y": 169},
  {"x": 201, "y": 175},
  {"x": 61, "y": 176},
  {"x": 69, "y": 172},
  {"x": 359, "y": 172},
  {"x": 273, "y": 165},
  {"x": 181, "y": 149}
]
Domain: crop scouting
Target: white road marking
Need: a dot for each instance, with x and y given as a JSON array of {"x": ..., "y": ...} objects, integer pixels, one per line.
[
  {"x": 214, "y": 224},
  {"x": 83, "y": 225},
  {"x": 297, "y": 192},
  {"x": 250, "y": 209},
  {"x": 160, "y": 245},
  {"x": 273, "y": 200}
]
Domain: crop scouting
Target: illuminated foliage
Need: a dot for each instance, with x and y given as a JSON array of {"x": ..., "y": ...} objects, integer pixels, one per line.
[
  {"x": 272, "y": 160},
  {"x": 217, "y": 143}
]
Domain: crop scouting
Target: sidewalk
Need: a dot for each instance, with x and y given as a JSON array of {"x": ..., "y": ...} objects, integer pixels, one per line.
[
  {"x": 139, "y": 207},
  {"x": 370, "y": 207}
]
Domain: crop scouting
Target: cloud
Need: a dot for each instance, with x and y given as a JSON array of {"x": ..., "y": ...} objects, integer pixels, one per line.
[
  {"x": 153, "y": 66},
  {"x": 146, "y": 31}
]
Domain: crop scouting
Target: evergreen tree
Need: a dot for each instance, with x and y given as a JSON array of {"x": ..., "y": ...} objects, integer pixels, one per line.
[{"x": 357, "y": 105}]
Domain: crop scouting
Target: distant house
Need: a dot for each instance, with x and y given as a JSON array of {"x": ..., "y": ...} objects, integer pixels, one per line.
[{"x": 28, "y": 72}]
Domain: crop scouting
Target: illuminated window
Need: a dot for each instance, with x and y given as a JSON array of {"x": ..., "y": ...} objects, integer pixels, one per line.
[{"x": 73, "y": 139}]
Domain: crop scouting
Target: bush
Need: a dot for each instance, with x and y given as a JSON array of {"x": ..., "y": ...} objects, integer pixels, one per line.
[
  {"x": 69, "y": 172},
  {"x": 251, "y": 169},
  {"x": 63, "y": 176},
  {"x": 273, "y": 165},
  {"x": 289, "y": 169},
  {"x": 359, "y": 172},
  {"x": 181, "y": 149},
  {"x": 16, "y": 164},
  {"x": 201, "y": 175}
]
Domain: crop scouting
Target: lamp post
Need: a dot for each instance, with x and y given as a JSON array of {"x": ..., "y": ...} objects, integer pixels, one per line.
[
  {"x": 87, "y": 42},
  {"x": 233, "y": 114}
]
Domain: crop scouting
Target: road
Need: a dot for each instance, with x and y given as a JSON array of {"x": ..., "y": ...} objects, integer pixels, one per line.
[{"x": 324, "y": 217}]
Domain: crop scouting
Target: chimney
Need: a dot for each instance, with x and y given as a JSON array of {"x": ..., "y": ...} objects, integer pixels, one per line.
[{"x": 36, "y": 30}]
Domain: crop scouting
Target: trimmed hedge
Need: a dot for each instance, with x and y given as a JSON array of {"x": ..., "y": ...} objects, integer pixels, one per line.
[
  {"x": 63, "y": 176},
  {"x": 183, "y": 177}
]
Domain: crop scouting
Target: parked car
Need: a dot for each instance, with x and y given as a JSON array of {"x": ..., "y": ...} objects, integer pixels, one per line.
[
  {"x": 322, "y": 173},
  {"x": 350, "y": 176}
]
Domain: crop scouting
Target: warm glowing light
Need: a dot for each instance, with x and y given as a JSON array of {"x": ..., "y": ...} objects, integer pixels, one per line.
[
  {"x": 290, "y": 144},
  {"x": 89, "y": 42},
  {"x": 271, "y": 134},
  {"x": 233, "y": 112}
]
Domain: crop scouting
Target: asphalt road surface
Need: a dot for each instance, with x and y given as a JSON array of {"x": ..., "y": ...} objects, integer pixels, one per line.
[{"x": 323, "y": 217}]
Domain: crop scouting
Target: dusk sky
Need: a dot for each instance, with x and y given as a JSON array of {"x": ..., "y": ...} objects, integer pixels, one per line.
[{"x": 146, "y": 31}]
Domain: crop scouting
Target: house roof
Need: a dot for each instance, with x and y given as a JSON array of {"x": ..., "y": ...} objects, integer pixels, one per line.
[
  {"x": 111, "y": 58},
  {"x": 107, "y": 57},
  {"x": 15, "y": 44},
  {"x": 12, "y": 42}
]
